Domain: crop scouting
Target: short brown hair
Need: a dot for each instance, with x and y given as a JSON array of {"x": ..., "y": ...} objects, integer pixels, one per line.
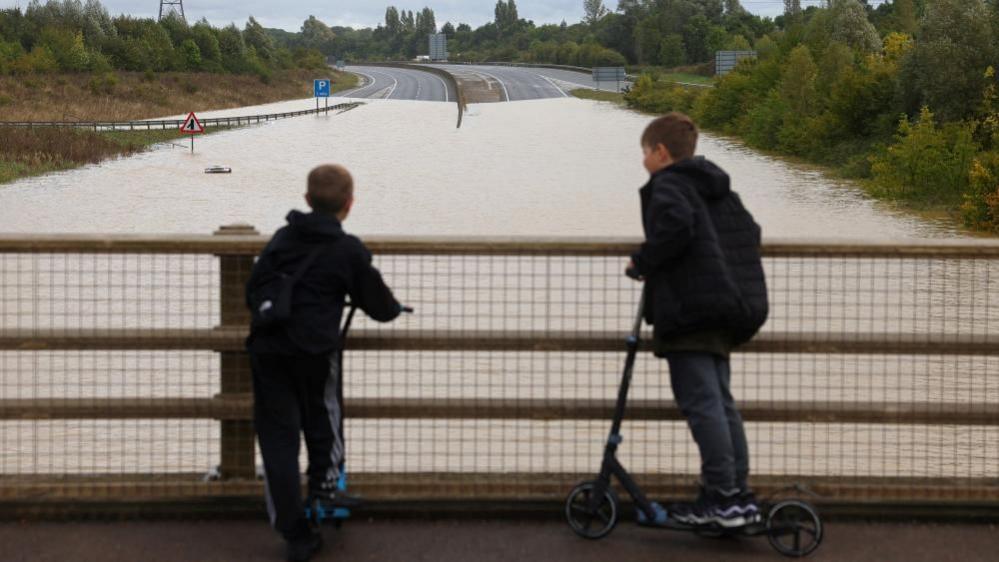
[
  {"x": 676, "y": 132},
  {"x": 330, "y": 188}
]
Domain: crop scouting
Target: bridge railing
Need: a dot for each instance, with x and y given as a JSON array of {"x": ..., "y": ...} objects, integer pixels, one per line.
[{"x": 122, "y": 375}]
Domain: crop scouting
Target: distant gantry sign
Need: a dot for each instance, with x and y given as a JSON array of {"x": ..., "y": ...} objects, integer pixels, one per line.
[
  {"x": 438, "y": 47},
  {"x": 726, "y": 61}
]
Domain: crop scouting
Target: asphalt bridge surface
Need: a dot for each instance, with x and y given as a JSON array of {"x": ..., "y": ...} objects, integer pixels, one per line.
[{"x": 475, "y": 540}]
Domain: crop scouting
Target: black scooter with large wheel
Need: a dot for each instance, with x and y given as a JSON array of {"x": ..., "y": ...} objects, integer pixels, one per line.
[{"x": 593, "y": 509}]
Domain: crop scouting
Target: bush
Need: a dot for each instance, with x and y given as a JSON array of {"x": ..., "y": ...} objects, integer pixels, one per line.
[
  {"x": 655, "y": 96},
  {"x": 927, "y": 164},
  {"x": 980, "y": 210},
  {"x": 103, "y": 84},
  {"x": 761, "y": 124}
]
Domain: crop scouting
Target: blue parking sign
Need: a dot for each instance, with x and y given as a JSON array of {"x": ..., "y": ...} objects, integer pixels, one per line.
[{"x": 321, "y": 87}]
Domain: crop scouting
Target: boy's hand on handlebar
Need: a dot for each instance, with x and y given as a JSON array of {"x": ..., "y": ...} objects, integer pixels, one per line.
[{"x": 632, "y": 272}]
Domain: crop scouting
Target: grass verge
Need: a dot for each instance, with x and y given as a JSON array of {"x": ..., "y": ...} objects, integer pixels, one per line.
[
  {"x": 599, "y": 95},
  {"x": 123, "y": 97}
]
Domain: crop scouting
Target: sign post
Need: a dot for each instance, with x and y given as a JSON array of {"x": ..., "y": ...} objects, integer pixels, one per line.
[
  {"x": 192, "y": 127},
  {"x": 321, "y": 88}
]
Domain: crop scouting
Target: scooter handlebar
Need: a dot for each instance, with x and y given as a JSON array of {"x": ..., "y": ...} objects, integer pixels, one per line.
[{"x": 406, "y": 309}]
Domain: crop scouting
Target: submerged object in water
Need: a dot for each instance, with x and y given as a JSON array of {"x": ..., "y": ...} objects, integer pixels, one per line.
[{"x": 218, "y": 170}]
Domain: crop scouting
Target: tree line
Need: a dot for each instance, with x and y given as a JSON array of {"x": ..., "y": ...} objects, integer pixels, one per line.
[
  {"x": 72, "y": 36},
  {"x": 638, "y": 32},
  {"x": 902, "y": 96}
]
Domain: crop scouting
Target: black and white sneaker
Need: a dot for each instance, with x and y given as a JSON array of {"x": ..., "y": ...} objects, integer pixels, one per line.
[
  {"x": 713, "y": 506},
  {"x": 746, "y": 501}
]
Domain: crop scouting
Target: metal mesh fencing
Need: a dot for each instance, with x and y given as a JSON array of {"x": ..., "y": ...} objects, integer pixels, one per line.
[{"x": 122, "y": 364}]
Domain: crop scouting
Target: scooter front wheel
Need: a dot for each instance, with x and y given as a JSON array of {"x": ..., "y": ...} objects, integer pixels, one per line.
[
  {"x": 591, "y": 509},
  {"x": 794, "y": 528}
]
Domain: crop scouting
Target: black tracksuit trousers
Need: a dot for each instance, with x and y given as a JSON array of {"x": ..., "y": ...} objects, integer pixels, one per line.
[{"x": 292, "y": 395}]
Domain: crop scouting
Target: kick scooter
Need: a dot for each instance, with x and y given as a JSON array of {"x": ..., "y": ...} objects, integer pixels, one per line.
[
  {"x": 319, "y": 509},
  {"x": 592, "y": 508}
]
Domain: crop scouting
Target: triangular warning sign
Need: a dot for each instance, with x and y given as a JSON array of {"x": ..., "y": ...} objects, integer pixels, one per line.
[{"x": 191, "y": 125}]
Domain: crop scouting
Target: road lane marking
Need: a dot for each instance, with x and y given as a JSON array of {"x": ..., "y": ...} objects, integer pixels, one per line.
[
  {"x": 554, "y": 85},
  {"x": 506, "y": 94},
  {"x": 446, "y": 97}
]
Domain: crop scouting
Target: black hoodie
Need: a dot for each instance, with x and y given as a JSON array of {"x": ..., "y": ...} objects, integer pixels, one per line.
[
  {"x": 701, "y": 255},
  {"x": 343, "y": 267}
]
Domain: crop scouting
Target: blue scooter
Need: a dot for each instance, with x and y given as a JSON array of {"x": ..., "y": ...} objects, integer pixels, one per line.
[{"x": 317, "y": 508}]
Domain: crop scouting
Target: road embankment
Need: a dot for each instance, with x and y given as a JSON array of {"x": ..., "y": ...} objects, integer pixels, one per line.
[{"x": 117, "y": 97}]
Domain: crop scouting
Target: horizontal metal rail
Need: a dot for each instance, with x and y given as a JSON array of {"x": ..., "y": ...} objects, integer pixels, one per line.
[
  {"x": 242, "y": 245},
  {"x": 163, "y": 124},
  {"x": 240, "y": 407},
  {"x": 232, "y": 339},
  {"x": 486, "y": 486}
]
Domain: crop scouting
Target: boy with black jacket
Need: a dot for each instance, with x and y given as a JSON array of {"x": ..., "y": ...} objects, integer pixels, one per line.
[
  {"x": 307, "y": 269},
  {"x": 706, "y": 295}
]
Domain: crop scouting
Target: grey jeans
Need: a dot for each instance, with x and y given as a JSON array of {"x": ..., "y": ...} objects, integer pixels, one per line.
[{"x": 700, "y": 384}]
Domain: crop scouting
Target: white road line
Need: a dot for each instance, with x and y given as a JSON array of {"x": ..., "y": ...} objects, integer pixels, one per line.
[
  {"x": 395, "y": 84},
  {"x": 442, "y": 82},
  {"x": 506, "y": 94},
  {"x": 358, "y": 89},
  {"x": 552, "y": 82}
]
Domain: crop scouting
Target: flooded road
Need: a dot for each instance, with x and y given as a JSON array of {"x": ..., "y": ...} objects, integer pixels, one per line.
[
  {"x": 558, "y": 167},
  {"x": 546, "y": 167}
]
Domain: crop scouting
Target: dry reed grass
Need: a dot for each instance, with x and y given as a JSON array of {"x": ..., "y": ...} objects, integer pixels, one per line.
[{"x": 135, "y": 95}]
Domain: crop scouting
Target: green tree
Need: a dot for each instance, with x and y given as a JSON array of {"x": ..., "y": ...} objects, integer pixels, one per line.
[
  {"x": 671, "y": 51},
  {"x": 851, "y": 26},
  {"x": 392, "y": 22},
  {"x": 905, "y": 16},
  {"x": 316, "y": 34},
  {"x": 255, "y": 36},
  {"x": 208, "y": 46},
  {"x": 593, "y": 11},
  {"x": 67, "y": 47},
  {"x": 927, "y": 163},
  {"x": 191, "y": 54},
  {"x": 946, "y": 69},
  {"x": 233, "y": 49},
  {"x": 798, "y": 83}
]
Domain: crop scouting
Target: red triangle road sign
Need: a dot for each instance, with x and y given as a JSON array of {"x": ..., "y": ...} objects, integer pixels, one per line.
[{"x": 191, "y": 125}]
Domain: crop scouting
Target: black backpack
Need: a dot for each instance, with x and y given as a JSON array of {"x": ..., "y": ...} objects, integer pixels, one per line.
[{"x": 270, "y": 298}]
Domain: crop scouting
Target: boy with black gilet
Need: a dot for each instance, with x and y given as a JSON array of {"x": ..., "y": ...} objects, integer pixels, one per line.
[
  {"x": 296, "y": 296},
  {"x": 706, "y": 295}
]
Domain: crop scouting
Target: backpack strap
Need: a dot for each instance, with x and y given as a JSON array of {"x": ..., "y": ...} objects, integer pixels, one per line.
[{"x": 283, "y": 305}]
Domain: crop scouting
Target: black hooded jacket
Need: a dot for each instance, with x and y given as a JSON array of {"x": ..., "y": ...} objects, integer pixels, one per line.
[
  {"x": 701, "y": 255},
  {"x": 343, "y": 267}
]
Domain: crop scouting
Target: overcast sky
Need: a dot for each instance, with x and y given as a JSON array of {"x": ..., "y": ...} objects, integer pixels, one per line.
[{"x": 289, "y": 14}]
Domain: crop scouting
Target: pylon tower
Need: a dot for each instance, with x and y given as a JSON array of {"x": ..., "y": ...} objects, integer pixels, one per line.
[{"x": 167, "y": 6}]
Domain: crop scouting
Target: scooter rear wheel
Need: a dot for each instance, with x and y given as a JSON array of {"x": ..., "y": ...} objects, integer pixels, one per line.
[
  {"x": 794, "y": 528},
  {"x": 591, "y": 509}
]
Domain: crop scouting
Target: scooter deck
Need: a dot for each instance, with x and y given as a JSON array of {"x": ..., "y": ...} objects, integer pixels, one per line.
[{"x": 713, "y": 529}]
